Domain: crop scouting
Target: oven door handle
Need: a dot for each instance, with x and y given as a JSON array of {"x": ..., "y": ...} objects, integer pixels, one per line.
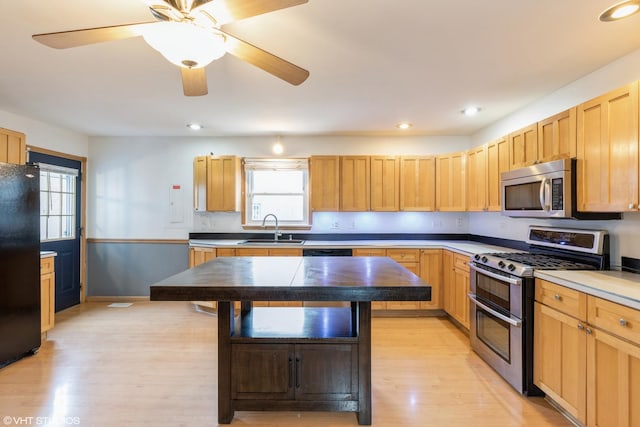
[
  {"x": 510, "y": 280},
  {"x": 512, "y": 321}
]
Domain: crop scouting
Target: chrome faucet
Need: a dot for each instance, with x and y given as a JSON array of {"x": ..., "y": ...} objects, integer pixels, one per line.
[{"x": 277, "y": 233}]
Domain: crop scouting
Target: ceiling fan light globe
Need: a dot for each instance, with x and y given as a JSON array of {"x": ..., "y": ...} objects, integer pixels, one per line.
[{"x": 183, "y": 43}]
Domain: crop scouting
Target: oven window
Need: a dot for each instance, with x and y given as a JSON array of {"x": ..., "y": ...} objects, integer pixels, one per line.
[
  {"x": 522, "y": 197},
  {"x": 494, "y": 333},
  {"x": 493, "y": 291}
]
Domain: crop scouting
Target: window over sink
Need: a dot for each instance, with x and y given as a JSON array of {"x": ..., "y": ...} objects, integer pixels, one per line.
[{"x": 279, "y": 187}]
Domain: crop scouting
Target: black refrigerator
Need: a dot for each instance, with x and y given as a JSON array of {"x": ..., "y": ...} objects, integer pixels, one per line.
[{"x": 19, "y": 261}]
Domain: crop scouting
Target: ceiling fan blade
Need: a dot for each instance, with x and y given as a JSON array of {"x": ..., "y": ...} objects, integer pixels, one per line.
[
  {"x": 225, "y": 11},
  {"x": 194, "y": 81},
  {"x": 270, "y": 63},
  {"x": 75, "y": 38}
]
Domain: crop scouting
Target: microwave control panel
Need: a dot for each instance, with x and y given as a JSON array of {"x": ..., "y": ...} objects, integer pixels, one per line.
[{"x": 557, "y": 196}]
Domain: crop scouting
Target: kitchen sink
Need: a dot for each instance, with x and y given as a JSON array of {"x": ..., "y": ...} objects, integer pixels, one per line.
[{"x": 271, "y": 242}]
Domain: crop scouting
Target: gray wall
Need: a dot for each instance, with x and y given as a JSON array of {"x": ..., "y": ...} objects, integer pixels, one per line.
[{"x": 128, "y": 269}]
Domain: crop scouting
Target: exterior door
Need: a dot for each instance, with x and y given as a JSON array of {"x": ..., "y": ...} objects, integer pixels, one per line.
[{"x": 60, "y": 224}]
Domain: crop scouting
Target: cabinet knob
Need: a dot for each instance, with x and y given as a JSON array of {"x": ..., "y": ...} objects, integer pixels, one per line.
[
  {"x": 589, "y": 331},
  {"x": 581, "y": 326},
  {"x": 622, "y": 322},
  {"x": 632, "y": 205},
  {"x": 557, "y": 297}
]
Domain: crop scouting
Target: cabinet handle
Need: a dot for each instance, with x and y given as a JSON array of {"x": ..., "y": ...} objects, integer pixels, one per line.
[
  {"x": 291, "y": 373},
  {"x": 622, "y": 322},
  {"x": 581, "y": 326},
  {"x": 557, "y": 297},
  {"x": 298, "y": 372},
  {"x": 589, "y": 331}
]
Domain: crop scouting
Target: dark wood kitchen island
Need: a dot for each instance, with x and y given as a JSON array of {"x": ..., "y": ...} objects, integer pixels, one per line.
[{"x": 291, "y": 358}]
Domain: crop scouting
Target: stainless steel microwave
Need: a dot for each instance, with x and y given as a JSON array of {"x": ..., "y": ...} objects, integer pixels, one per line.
[{"x": 545, "y": 190}]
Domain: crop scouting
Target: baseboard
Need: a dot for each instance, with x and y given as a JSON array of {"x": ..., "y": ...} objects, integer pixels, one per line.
[{"x": 117, "y": 299}]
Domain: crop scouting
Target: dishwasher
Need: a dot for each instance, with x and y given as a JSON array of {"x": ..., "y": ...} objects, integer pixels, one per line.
[{"x": 327, "y": 252}]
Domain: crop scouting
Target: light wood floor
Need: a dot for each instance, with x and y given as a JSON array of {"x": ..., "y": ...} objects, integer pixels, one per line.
[{"x": 154, "y": 364}]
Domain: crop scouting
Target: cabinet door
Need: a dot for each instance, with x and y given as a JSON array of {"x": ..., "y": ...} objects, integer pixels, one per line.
[
  {"x": 262, "y": 371},
  {"x": 447, "y": 281},
  {"x": 557, "y": 136},
  {"x": 613, "y": 381},
  {"x": 413, "y": 267},
  {"x": 252, "y": 252},
  {"x": 326, "y": 372},
  {"x": 223, "y": 183},
  {"x": 524, "y": 146},
  {"x": 461, "y": 297},
  {"x": 418, "y": 183},
  {"x": 355, "y": 183},
  {"x": 560, "y": 362},
  {"x": 47, "y": 295},
  {"x": 13, "y": 147},
  {"x": 385, "y": 184},
  {"x": 225, "y": 252},
  {"x": 608, "y": 152},
  {"x": 431, "y": 272},
  {"x": 477, "y": 179},
  {"x": 324, "y": 179},
  {"x": 451, "y": 182},
  {"x": 497, "y": 162},
  {"x": 199, "y": 256},
  {"x": 200, "y": 183}
]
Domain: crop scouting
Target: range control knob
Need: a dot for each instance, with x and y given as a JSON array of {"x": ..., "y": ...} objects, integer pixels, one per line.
[
  {"x": 477, "y": 257},
  {"x": 511, "y": 267},
  {"x": 485, "y": 259},
  {"x": 501, "y": 264}
]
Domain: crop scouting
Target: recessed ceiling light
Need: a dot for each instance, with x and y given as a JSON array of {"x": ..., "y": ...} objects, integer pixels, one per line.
[
  {"x": 471, "y": 111},
  {"x": 404, "y": 125},
  {"x": 620, "y": 10},
  {"x": 194, "y": 126}
]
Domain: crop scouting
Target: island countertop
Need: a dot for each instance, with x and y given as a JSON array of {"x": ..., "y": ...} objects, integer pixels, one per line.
[{"x": 294, "y": 279}]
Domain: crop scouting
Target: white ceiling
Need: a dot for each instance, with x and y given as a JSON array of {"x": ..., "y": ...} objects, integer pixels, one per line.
[{"x": 372, "y": 63}]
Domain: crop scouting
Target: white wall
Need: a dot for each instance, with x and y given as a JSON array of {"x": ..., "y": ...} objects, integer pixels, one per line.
[
  {"x": 130, "y": 181},
  {"x": 43, "y": 135}
]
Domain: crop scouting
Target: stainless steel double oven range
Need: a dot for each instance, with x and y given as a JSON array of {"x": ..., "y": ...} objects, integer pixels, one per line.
[{"x": 502, "y": 294}]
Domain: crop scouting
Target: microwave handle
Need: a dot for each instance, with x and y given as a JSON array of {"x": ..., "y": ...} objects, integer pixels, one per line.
[{"x": 544, "y": 194}]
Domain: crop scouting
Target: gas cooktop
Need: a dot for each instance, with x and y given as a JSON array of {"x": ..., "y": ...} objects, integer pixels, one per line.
[{"x": 523, "y": 263}]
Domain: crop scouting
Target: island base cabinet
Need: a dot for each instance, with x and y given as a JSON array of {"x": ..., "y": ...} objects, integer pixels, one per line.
[
  {"x": 613, "y": 381},
  {"x": 315, "y": 372}
]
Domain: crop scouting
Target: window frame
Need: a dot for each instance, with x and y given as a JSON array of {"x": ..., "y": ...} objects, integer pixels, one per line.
[
  {"x": 47, "y": 170},
  {"x": 274, "y": 164}
]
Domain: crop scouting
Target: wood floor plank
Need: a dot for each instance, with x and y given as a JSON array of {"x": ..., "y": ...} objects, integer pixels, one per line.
[{"x": 154, "y": 364}]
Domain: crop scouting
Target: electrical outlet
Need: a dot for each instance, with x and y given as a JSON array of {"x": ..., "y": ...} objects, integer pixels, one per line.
[
  {"x": 335, "y": 225},
  {"x": 459, "y": 222}
]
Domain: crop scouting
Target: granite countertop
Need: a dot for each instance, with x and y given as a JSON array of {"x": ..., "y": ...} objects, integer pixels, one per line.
[
  {"x": 464, "y": 247},
  {"x": 617, "y": 286}
]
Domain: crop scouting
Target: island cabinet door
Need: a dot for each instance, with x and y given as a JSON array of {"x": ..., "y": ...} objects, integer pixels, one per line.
[
  {"x": 262, "y": 371},
  {"x": 326, "y": 372}
]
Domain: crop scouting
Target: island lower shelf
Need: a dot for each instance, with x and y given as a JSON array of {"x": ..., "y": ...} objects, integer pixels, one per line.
[{"x": 298, "y": 359}]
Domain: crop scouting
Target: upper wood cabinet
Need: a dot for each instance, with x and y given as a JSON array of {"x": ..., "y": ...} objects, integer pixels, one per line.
[
  {"x": 324, "y": 180},
  {"x": 497, "y": 162},
  {"x": 385, "y": 183},
  {"x": 13, "y": 147},
  {"x": 607, "y": 151},
  {"x": 477, "y": 179},
  {"x": 451, "y": 182},
  {"x": 524, "y": 146},
  {"x": 557, "y": 136},
  {"x": 418, "y": 183},
  {"x": 355, "y": 183},
  {"x": 216, "y": 183}
]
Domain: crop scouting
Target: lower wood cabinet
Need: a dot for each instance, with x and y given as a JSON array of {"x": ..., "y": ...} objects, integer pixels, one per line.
[
  {"x": 587, "y": 356},
  {"x": 47, "y": 294},
  {"x": 456, "y": 286},
  {"x": 431, "y": 272},
  {"x": 315, "y": 372}
]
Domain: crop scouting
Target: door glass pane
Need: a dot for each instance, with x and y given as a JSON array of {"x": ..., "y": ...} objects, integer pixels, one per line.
[
  {"x": 67, "y": 226},
  {"x": 53, "y": 227},
  {"x": 57, "y": 205},
  {"x": 493, "y": 332}
]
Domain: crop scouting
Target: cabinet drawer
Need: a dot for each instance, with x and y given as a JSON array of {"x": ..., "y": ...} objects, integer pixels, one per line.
[
  {"x": 46, "y": 265},
  {"x": 461, "y": 262},
  {"x": 565, "y": 300},
  {"x": 370, "y": 252},
  {"x": 614, "y": 318},
  {"x": 404, "y": 255}
]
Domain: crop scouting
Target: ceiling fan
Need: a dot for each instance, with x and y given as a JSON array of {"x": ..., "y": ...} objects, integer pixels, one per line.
[{"x": 188, "y": 34}]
